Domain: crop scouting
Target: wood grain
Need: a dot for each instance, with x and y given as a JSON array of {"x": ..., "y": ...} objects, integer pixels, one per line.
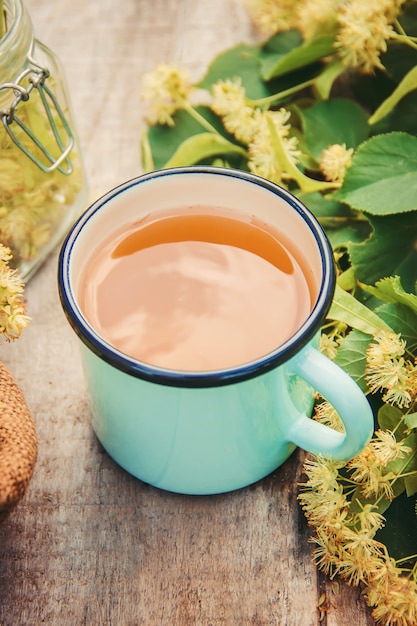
[{"x": 89, "y": 544}]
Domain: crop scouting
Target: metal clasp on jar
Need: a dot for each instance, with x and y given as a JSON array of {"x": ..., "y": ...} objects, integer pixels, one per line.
[{"x": 34, "y": 77}]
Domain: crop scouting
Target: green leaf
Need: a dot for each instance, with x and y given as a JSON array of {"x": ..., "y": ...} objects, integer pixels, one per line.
[
  {"x": 382, "y": 179},
  {"x": 346, "y": 308},
  {"x": 411, "y": 484},
  {"x": 391, "y": 418},
  {"x": 351, "y": 356},
  {"x": 201, "y": 146},
  {"x": 325, "y": 80},
  {"x": 411, "y": 420},
  {"x": 407, "y": 463},
  {"x": 400, "y": 531},
  {"x": 336, "y": 121},
  {"x": 391, "y": 290},
  {"x": 242, "y": 60},
  {"x": 279, "y": 46},
  {"x": 341, "y": 224},
  {"x": 163, "y": 141},
  {"x": 402, "y": 320},
  {"x": 390, "y": 250},
  {"x": 346, "y": 280},
  {"x": 308, "y": 52},
  {"x": 408, "y": 83},
  {"x": 282, "y": 43}
]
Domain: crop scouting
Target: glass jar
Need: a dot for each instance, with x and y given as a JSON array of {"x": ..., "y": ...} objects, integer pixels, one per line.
[{"x": 42, "y": 182}]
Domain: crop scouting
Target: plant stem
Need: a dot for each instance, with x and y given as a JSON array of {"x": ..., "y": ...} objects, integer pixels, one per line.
[
  {"x": 305, "y": 183},
  {"x": 199, "y": 118},
  {"x": 405, "y": 39},
  {"x": 280, "y": 95},
  {"x": 406, "y": 559}
]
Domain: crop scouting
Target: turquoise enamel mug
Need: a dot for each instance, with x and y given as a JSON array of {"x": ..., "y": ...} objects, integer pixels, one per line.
[{"x": 207, "y": 432}]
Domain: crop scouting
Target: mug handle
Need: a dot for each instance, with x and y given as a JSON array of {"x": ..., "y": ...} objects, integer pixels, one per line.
[{"x": 347, "y": 399}]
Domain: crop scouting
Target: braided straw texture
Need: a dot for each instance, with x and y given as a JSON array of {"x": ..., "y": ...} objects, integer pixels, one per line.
[{"x": 18, "y": 443}]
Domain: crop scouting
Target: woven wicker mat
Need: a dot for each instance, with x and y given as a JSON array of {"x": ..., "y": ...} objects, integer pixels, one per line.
[{"x": 18, "y": 443}]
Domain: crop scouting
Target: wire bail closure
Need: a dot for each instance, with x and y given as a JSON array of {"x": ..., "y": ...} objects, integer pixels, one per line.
[{"x": 34, "y": 77}]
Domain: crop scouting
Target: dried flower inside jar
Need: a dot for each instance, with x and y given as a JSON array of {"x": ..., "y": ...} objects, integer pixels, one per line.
[{"x": 42, "y": 184}]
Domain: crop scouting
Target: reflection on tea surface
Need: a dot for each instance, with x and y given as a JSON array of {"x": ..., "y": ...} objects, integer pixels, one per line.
[{"x": 195, "y": 289}]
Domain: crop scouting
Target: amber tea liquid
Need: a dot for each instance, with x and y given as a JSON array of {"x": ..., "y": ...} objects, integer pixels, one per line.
[{"x": 195, "y": 289}]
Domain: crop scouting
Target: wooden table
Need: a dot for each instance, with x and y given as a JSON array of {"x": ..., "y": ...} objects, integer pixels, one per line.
[{"x": 89, "y": 544}]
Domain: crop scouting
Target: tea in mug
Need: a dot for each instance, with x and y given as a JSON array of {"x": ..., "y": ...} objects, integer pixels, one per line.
[{"x": 196, "y": 289}]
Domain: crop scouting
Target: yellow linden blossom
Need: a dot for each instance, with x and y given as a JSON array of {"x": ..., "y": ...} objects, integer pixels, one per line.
[
  {"x": 249, "y": 125},
  {"x": 322, "y": 474},
  {"x": 272, "y": 16},
  {"x": 369, "y": 519},
  {"x": 387, "y": 448},
  {"x": 228, "y": 96},
  {"x": 326, "y": 414},
  {"x": 394, "y": 596},
  {"x": 368, "y": 471},
  {"x": 345, "y": 543},
  {"x": 329, "y": 345},
  {"x": 334, "y": 162},
  {"x": 13, "y": 318},
  {"x": 12, "y": 177},
  {"x": 364, "y": 29},
  {"x": 166, "y": 89},
  {"x": 387, "y": 371},
  {"x": 322, "y": 498},
  {"x": 317, "y": 17},
  {"x": 32, "y": 203},
  {"x": 359, "y": 554},
  {"x": 262, "y": 157},
  {"x": 387, "y": 345},
  {"x": 229, "y": 102}
]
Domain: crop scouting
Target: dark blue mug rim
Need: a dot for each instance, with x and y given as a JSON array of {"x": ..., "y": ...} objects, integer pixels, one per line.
[{"x": 212, "y": 378}]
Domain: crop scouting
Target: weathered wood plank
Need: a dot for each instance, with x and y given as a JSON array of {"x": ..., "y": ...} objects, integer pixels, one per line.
[{"x": 89, "y": 544}]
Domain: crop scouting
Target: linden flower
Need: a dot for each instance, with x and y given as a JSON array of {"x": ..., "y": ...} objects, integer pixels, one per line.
[
  {"x": 166, "y": 89},
  {"x": 322, "y": 474},
  {"x": 387, "y": 448},
  {"x": 364, "y": 29},
  {"x": 322, "y": 497},
  {"x": 228, "y": 96},
  {"x": 229, "y": 102},
  {"x": 393, "y": 595},
  {"x": 317, "y": 17},
  {"x": 328, "y": 509},
  {"x": 270, "y": 16},
  {"x": 327, "y": 552},
  {"x": 334, "y": 162},
  {"x": 369, "y": 519},
  {"x": 387, "y": 345},
  {"x": 263, "y": 160},
  {"x": 326, "y": 414},
  {"x": 368, "y": 472},
  {"x": 361, "y": 553},
  {"x": 13, "y": 318},
  {"x": 329, "y": 345},
  {"x": 12, "y": 179},
  {"x": 387, "y": 371}
]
